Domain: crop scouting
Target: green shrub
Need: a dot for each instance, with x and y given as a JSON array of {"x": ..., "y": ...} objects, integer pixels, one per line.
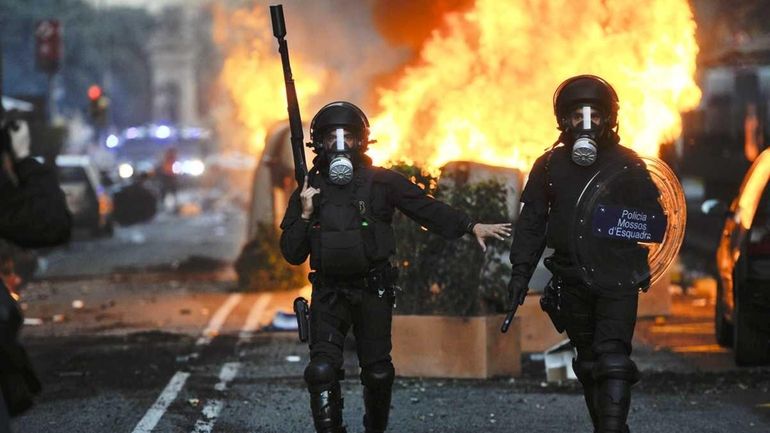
[
  {"x": 442, "y": 277},
  {"x": 261, "y": 267}
]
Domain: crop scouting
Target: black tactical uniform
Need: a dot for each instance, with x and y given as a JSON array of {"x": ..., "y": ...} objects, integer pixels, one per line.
[
  {"x": 600, "y": 323},
  {"x": 350, "y": 241}
]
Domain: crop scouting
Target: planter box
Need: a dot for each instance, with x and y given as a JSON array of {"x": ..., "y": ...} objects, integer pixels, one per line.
[
  {"x": 537, "y": 331},
  {"x": 455, "y": 347},
  {"x": 657, "y": 300}
]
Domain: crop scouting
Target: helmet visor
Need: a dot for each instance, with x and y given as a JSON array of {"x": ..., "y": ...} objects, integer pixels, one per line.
[
  {"x": 341, "y": 140},
  {"x": 586, "y": 118}
]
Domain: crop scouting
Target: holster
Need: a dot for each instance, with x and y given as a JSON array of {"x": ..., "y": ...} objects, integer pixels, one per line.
[
  {"x": 550, "y": 302},
  {"x": 302, "y": 311}
]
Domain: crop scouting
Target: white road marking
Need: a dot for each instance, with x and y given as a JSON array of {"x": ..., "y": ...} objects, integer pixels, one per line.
[
  {"x": 157, "y": 410},
  {"x": 210, "y": 414},
  {"x": 255, "y": 314},
  {"x": 218, "y": 319},
  {"x": 227, "y": 374}
]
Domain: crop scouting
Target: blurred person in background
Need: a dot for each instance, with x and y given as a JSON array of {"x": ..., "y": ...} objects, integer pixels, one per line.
[
  {"x": 167, "y": 177},
  {"x": 33, "y": 214}
]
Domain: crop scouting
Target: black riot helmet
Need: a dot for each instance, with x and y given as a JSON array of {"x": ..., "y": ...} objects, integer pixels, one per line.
[
  {"x": 589, "y": 90},
  {"x": 339, "y": 115}
]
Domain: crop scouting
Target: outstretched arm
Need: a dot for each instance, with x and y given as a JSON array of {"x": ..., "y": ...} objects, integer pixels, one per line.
[{"x": 439, "y": 217}]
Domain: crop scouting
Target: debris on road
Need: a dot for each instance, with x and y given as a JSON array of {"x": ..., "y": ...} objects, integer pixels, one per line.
[
  {"x": 284, "y": 321},
  {"x": 558, "y": 362}
]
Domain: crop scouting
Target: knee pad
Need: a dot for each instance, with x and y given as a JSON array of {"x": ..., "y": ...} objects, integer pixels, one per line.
[
  {"x": 320, "y": 375},
  {"x": 583, "y": 370},
  {"x": 616, "y": 366},
  {"x": 378, "y": 376}
]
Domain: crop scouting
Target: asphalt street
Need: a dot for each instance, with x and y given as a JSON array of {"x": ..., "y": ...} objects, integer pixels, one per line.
[
  {"x": 141, "y": 344},
  {"x": 214, "y": 371},
  {"x": 194, "y": 237}
]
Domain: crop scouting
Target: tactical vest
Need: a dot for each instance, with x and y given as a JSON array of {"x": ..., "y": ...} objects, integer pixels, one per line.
[{"x": 345, "y": 238}]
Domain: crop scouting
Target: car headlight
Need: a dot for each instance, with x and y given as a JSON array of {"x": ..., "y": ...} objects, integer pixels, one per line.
[
  {"x": 125, "y": 170},
  {"x": 112, "y": 141},
  {"x": 193, "y": 167}
]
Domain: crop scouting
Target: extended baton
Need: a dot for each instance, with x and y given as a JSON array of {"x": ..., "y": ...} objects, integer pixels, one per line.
[
  {"x": 295, "y": 120},
  {"x": 509, "y": 319}
]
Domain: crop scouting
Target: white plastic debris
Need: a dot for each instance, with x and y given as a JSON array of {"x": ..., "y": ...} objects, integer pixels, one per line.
[
  {"x": 284, "y": 321},
  {"x": 33, "y": 321},
  {"x": 293, "y": 358},
  {"x": 77, "y": 304},
  {"x": 558, "y": 362}
]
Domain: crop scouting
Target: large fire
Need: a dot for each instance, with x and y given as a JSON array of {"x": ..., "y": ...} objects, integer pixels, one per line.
[
  {"x": 482, "y": 90},
  {"x": 252, "y": 75}
]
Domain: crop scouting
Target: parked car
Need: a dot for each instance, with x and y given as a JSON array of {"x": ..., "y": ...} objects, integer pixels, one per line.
[
  {"x": 87, "y": 199},
  {"x": 743, "y": 264}
]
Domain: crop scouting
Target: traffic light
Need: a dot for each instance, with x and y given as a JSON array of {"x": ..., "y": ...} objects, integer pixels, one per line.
[
  {"x": 48, "y": 46},
  {"x": 94, "y": 92},
  {"x": 98, "y": 104}
]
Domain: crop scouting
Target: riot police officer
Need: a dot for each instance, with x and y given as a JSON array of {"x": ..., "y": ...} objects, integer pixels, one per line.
[
  {"x": 599, "y": 321},
  {"x": 341, "y": 218}
]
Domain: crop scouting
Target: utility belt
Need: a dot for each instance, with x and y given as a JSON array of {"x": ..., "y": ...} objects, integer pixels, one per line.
[{"x": 381, "y": 280}]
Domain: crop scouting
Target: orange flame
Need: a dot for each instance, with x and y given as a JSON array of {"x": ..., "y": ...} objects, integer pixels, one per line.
[
  {"x": 252, "y": 76},
  {"x": 482, "y": 90}
]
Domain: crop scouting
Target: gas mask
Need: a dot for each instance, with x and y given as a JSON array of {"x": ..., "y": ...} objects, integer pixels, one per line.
[
  {"x": 339, "y": 144},
  {"x": 586, "y": 124}
]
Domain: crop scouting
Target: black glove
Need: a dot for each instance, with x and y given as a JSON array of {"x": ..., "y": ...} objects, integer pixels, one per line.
[{"x": 517, "y": 291}]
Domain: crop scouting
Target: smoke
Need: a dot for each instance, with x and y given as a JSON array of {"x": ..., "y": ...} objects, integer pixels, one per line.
[
  {"x": 338, "y": 40},
  {"x": 340, "y": 50},
  {"x": 410, "y": 23}
]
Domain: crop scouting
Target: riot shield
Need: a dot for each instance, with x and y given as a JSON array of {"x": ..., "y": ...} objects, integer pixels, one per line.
[{"x": 629, "y": 225}]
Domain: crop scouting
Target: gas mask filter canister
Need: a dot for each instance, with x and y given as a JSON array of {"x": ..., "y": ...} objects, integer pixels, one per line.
[
  {"x": 340, "y": 167},
  {"x": 584, "y": 150}
]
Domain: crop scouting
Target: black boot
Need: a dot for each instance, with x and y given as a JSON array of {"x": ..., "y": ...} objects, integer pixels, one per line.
[
  {"x": 378, "y": 385},
  {"x": 326, "y": 406},
  {"x": 614, "y": 374},
  {"x": 377, "y": 406},
  {"x": 614, "y": 403},
  {"x": 584, "y": 372}
]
